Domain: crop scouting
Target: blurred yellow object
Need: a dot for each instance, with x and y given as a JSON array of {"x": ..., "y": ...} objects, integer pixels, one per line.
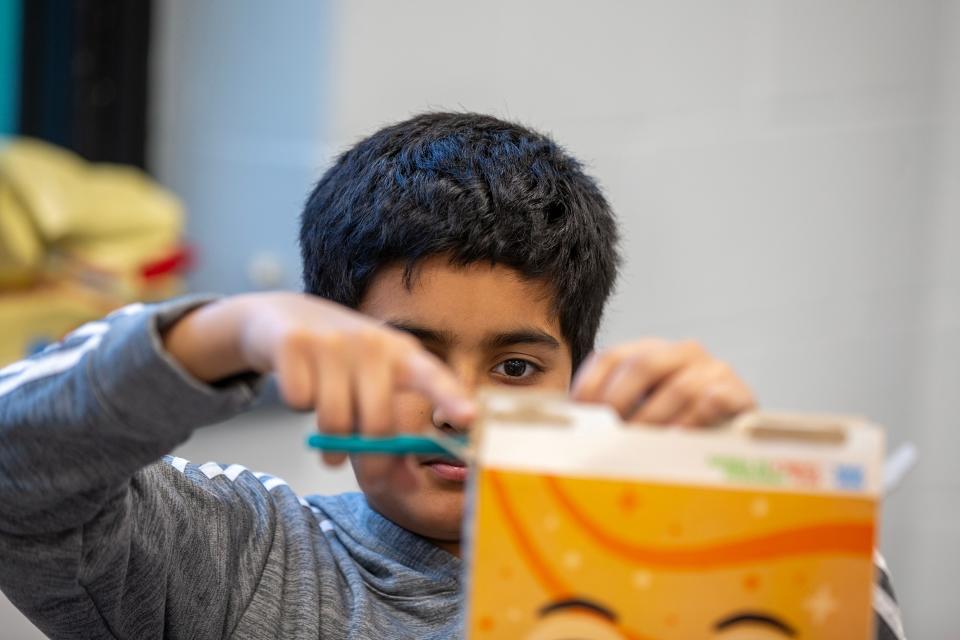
[
  {"x": 78, "y": 239},
  {"x": 52, "y": 201},
  {"x": 33, "y": 317}
]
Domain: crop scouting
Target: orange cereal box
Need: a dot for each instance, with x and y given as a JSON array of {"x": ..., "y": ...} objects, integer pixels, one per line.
[{"x": 582, "y": 528}]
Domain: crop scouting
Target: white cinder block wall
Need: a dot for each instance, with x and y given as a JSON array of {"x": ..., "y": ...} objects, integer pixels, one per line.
[
  {"x": 785, "y": 173},
  {"x": 923, "y": 526}
]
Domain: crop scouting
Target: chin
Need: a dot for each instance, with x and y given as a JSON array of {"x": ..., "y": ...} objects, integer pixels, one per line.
[
  {"x": 437, "y": 515},
  {"x": 414, "y": 499}
]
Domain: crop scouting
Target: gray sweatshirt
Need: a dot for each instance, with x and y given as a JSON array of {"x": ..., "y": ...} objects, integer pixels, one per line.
[{"x": 104, "y": 536}]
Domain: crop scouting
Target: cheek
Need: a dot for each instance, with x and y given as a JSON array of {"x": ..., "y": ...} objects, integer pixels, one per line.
[
  {"x": 379, "y": 475},
  {"x": 559, "y": 380},
  {"x": 411, "y": 413},
  {"x": 385, "y": 475}
]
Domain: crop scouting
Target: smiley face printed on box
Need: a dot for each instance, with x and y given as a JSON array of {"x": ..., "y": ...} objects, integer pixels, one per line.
[{"x": 567, "y": 558}]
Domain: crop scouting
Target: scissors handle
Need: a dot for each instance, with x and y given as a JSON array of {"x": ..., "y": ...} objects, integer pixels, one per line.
[{"x": 393, "y": 445}]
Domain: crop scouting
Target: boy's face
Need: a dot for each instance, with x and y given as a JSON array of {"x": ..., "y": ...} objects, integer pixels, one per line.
[{"x": 491, "y": 327}]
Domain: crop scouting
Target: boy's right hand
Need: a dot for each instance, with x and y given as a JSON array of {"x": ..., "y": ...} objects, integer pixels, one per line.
[{"x": 345, "y": 365}]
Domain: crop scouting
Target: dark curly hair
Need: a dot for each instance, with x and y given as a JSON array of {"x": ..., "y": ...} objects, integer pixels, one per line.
[{"x": 474, "y": 188}]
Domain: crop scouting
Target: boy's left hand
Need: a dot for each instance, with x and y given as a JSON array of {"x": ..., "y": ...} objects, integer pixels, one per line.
[{"x": 662, "y": 382}]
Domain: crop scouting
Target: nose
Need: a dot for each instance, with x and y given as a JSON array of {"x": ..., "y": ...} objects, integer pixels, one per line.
[
  {"x": 468, "y": 377},
  {"x": 447, "y": 425}
]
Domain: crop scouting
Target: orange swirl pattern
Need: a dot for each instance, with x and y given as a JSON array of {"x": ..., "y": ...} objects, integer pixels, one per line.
[
  {"x": 830, "y": 538},
  {"x": 854, "y": 538},
  {"x": 541, "y": 569}
]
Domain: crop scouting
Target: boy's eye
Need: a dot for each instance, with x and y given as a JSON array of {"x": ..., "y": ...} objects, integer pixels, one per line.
[{"x": 516, "y": 368}]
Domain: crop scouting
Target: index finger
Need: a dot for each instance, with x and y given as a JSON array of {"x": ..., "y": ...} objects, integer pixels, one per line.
[{"x": 422, "y": 372}]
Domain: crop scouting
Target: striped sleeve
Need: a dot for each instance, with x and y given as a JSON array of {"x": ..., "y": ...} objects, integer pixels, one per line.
[
  {"x": 887, "y": 620},
  {"x": 100, "y": 537}
]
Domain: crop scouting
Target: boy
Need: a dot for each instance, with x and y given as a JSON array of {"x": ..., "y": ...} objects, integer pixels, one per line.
[{"x": 444, "y": 252}]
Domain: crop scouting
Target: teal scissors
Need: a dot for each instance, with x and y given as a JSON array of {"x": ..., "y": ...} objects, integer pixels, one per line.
[{"x": 399, "y": 445}]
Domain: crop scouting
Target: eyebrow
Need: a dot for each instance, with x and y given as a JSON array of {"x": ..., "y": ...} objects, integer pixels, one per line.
[
  {"x": 423, "y": 334},
  {"x": 750, "y": 617},
  {"x": 577, "y": 603},
  {"x": 524, "y": 335}
]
